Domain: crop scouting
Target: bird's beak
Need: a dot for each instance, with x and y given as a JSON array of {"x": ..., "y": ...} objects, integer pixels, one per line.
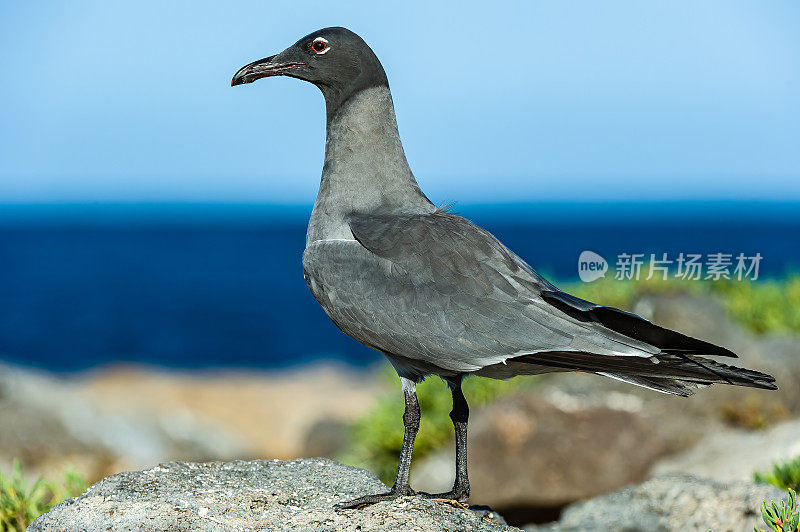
[{"x": 263, "y": 68}]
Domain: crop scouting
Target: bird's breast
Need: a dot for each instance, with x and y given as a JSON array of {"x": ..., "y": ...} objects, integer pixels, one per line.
[{"x": 328, "y": 269}]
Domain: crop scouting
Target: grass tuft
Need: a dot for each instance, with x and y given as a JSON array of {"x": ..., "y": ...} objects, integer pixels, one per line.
[
  {"x": 22, "y": 502},
  {"x": 784, "y": 475}
]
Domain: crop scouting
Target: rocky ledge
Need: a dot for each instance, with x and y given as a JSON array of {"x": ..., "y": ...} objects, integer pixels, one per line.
[
  {"x": 252, "y": 495},
  {"x": 667, "y": 503},
  {"x": 301, "y": 494}
]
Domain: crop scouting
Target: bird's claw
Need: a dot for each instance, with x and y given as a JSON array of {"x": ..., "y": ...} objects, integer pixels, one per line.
[
  {"x": 452, "y": 502},
  {"x": 367, "y": 500},
  {"x": 456, "y": 497}
]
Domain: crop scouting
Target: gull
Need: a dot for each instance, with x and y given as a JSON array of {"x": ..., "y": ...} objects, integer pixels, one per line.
[{"x": 436, "y": 294}]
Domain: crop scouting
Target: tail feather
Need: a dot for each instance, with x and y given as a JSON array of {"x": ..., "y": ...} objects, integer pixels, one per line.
[
  {"x": 670, "y": 386},
  {"x": 670, "y": 371},
  {"x": 677, "y": 369}
]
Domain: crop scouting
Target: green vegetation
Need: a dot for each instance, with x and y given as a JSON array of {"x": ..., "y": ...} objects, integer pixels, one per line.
[
  {"x": 21, "y": 504},
  {"x": 786, "y": 516},
  {"x": 785, "y": 475},
  {"x": 781, "y": 518}
]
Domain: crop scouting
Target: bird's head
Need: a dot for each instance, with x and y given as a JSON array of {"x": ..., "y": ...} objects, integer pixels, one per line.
[{"x": 336, "y": 60}]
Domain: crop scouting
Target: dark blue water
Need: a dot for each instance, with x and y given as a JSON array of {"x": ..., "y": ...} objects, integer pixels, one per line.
[{"x": 216, "y": 289}]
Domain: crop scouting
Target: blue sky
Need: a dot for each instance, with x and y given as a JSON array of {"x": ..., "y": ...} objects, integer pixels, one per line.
[{"x": 500, "y": 101}]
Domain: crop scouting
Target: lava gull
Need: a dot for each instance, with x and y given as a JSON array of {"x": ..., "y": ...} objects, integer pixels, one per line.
[{"x": 436, "y": 294}]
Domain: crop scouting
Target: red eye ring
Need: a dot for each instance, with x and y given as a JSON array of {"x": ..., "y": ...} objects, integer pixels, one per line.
[{"x": 320, "y": 45}]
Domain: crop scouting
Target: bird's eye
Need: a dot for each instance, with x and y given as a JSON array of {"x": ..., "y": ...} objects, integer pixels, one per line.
[{"x": 320, "y": 45}]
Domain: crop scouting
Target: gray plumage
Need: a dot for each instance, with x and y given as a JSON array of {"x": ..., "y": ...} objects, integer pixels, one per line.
[{"x": 430, "y": 290}]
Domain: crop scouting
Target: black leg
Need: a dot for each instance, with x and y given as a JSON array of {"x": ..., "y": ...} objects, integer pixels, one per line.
[
  {"x": 460, "y": 416},
  {"x": 401, "y": 487}
]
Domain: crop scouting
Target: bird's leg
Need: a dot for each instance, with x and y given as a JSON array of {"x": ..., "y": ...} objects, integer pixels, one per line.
[
  {"x": 411, "y": 418},
  {"x": 459, "y": 415},
  {"x": 401, "y": 487}
]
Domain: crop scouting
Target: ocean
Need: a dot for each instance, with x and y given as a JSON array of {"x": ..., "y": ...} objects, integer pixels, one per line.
[{"x": 205, "y": 286}]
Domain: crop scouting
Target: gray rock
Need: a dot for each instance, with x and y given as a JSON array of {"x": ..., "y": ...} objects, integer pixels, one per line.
[
  {"x": 528, "y": 451},
  {"x": 684, "y": 422},
  {"x": 48, "y": 419},
  {"x": 669, "y": 503},
  {"x": 326, "y": 437},
  {"x": 705, "y": 317},
  {"x": 734, "y": 454},
  {"x": 251, "y": 495},
  {"x": 699, "y": 316}
]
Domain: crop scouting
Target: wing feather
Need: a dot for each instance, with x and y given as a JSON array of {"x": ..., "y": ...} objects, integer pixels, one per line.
[{"x": 436, "y": 288}]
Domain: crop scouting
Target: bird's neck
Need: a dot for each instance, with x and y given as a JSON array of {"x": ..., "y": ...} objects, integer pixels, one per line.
[{"x": 365, "y": 167}]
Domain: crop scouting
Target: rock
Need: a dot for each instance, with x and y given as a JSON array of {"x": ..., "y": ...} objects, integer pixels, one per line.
[
  {"x": 526, "y": 451},
  {"x": 327, "y": 438},
  {"x": 124, "y": 417},
  {"x": 668, "y": 503},
  {"x": 684, "y": 422},
  {"x": 51, "y": 422},
  {"x": 243, "y": 402},
  {"x": 239, "y": 495},
  {"x": 734, "y": 454},
  {"x": 699, "y": 316},
  {"x": 705, "y": 317}
]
